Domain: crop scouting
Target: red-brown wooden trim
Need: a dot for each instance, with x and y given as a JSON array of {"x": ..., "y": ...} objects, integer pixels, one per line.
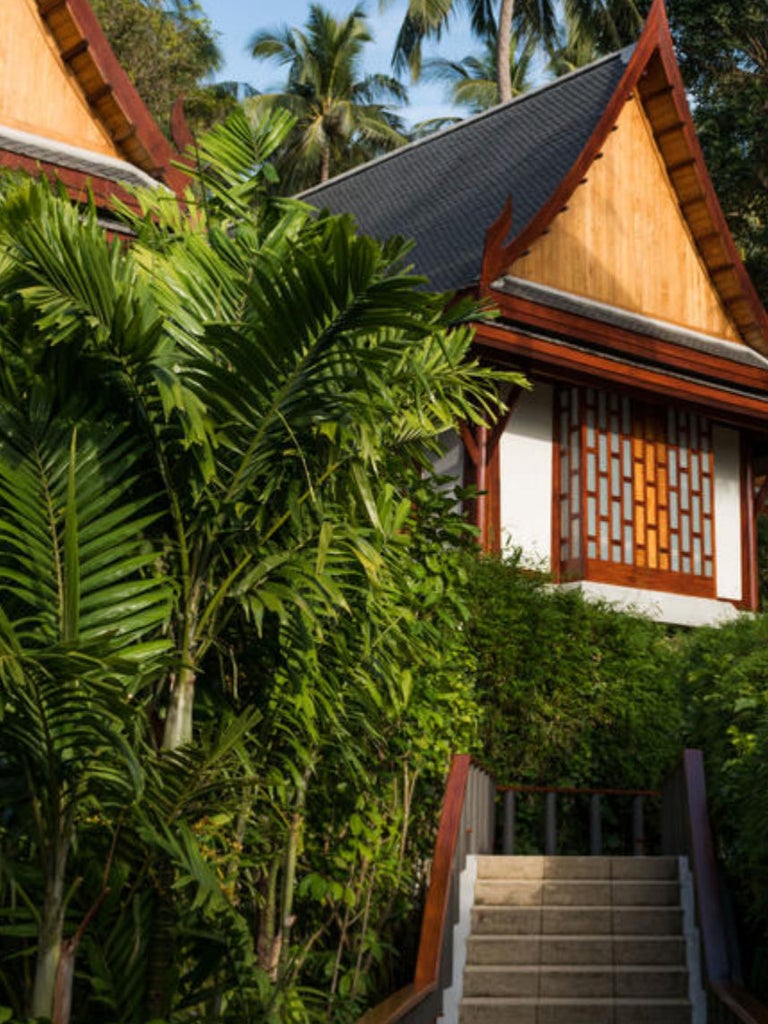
[
  {"x": 492, "y": 539},
  {"x": 555, "y": 554},
  {"x": 654, "y": 44},
  {"x": 749, "y": 582},
  {"x": 742, "y": 1004},
  {"x": 646, "y": 45},
  {"x": 577, "y": 790},
  {"x": 77, "y": 183},
  {"x": 481, "y": 482},
  {"x": 127, "y": 105},
  {"x": 704, "y": 867},
  {"x": 667, "y": 55},
  {"x": 436, "y": 907},
  {"x": 396, "y": 1006},
  {"x": 581, "y": 366},
  {"x": 627, "y": 342},
  {"x": 469, "y": 443},
  {"x": 596, "y": 571}
]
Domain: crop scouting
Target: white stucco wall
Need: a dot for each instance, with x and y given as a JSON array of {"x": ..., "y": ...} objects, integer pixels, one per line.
[
  {"x": 677, "y": 609},
  {"x": 728, "y": 539},
  {"x": 525, "y": 471},
  {"x": 451, "y": 462}
]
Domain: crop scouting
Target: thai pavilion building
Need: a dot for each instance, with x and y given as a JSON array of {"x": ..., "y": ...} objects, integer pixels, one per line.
[
  {"x": 583, "y": 211},
  {"x": 69, "y": 110}
]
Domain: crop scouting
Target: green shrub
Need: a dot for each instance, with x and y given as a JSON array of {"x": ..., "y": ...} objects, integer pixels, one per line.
[
  {"x": 572, "y": 692},
  {"x": 724, "y": 673}
]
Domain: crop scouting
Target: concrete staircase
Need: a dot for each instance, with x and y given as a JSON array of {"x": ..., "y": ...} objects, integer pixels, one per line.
[{"x": 576, "y": 940}]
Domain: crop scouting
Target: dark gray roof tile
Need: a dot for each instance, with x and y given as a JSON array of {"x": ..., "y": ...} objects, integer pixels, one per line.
[{"x": 445, "y": 190}]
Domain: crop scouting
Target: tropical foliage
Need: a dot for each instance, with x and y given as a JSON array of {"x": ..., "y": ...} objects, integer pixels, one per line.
[
  {"x": 608, "y": 23},
  {"x": 168, "y": 48},
  {"x": 229, "y": 598},
  {"x": 340, "y": 117},
  {"x": 472, "y": 81},
  {"x": 723, "y": 674},
  {"x": 571, "y": 691},
  {"x": 723, "y": 49}
]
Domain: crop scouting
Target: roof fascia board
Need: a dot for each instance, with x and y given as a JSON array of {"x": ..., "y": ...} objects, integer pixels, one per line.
[
  {"x": 567, "y": 361},
  {"x": 138, "y": 120},
  {"x": 55, "y": 153},
  {"x": 527, "y": 314},
  {"x": 672, "y": 69},
  {"x": 655, "y": 39}
]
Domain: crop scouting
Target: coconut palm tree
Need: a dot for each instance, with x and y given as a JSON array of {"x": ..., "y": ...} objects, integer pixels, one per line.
[
  {"x": 341, "y": 117},
  {"x": 612, "y": 22},
  {"x": 472, "y": 81}
]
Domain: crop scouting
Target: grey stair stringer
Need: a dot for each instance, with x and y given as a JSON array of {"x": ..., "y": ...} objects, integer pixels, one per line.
[{"x": 576, "y": 940}]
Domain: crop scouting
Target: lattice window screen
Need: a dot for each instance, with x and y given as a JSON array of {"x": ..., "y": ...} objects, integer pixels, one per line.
[{"x": 636, "y": 484}]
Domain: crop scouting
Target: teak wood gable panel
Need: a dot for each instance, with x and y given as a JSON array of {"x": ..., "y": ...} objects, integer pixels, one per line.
[
  {"x": 38, "y": 92},
  {"x": 653, "y": 73},
  {"x": 623, "y": 240}
]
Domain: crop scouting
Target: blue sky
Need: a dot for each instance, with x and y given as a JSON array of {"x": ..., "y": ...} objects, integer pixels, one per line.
[{"x": 236, "y": 20}]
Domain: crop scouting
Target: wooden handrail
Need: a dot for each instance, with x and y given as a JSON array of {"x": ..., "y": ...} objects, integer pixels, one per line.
[
  {"x": 433, "y": 922},
  {"x": 740, "y": 1003},
  {"x": 704, "y": 867},
  {"x": 576, "y": 790}
]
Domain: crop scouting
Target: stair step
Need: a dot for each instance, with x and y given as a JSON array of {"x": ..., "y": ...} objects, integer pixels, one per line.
[
  {"x": 576, "y": 920},
  {"x": 666, "y": 950},
  {"x": 579, "y": 868},
  {"x": 657, "y": 982},
  {"x": 604, "y": 893},
  {"x": 506, "y": 1010}
]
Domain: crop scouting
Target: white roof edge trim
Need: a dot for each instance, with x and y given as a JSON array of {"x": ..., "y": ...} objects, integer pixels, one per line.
[
  {"x": 603, "y": 311},
  {"x": 37, "y": 147}
]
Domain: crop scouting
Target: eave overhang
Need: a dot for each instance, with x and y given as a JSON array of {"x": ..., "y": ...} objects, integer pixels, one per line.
[
  {"x": 653, "y": 74},
  {"x": 110, "y": 94},
  {"x": 730, "y": 392}
]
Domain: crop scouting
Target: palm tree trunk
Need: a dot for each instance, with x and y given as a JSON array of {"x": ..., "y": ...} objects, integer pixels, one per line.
[
  {"x": 325, "y": 166},
  {"x": 181, "y": 703},
  {"x": 50, "y": 932},
  {"x": 503, "y": 55}
]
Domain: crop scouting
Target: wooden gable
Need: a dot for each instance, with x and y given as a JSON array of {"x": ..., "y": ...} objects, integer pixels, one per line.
[
  {"x": 635, "y": 224},
  {"x": 38, "y": 92},
  {"x": 61, "y": 83},
  {"x": 623, "y": 240}
]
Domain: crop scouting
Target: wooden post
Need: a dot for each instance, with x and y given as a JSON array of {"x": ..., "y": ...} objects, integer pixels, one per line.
[
  {"x": 550, "y": 825},
  {"x": 482, "y": 485},
  {"x": 595, "y": 826},
  {"x": 638, "y": 827},
  {"x": 508, "y": 840}
]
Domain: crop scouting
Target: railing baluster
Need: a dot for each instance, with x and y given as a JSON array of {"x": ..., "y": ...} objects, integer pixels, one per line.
[
  {"x": 550, "y": 825},
  {"x": 595, "y": 826},
  {"x": 508, "y": 841},
  {"x": 638, "y": 827}
]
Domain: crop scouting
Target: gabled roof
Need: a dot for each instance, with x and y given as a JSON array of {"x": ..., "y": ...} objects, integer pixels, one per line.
[
  {"x": 445, "y": 190},
  {"x": 113, "y": 128}
]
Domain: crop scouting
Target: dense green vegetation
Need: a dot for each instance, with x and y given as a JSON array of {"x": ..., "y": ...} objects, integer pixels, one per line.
[
  {"x": 723, "y": 673},
  {"x": 342, "y": 115},
  {"x": 571, "y": 691},
  {"x": 229, "y": 604}
]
